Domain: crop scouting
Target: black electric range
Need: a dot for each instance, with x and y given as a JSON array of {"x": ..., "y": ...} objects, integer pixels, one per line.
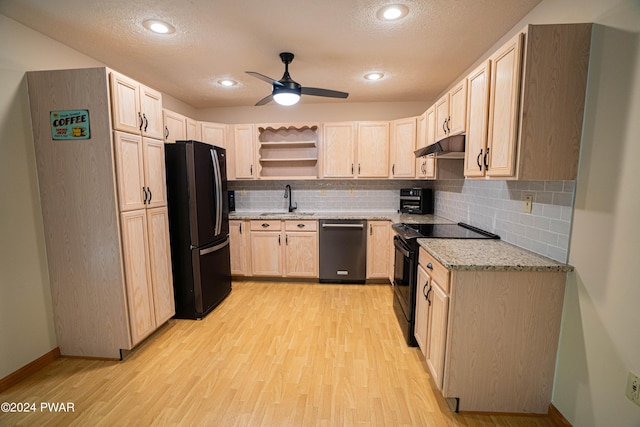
[
  {"x": 441, "y": 231},
  {"x": 405, "y": 274}
]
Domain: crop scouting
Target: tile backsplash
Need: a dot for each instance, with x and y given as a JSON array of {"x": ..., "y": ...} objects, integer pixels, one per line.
[{"x": 495, "y": 206}]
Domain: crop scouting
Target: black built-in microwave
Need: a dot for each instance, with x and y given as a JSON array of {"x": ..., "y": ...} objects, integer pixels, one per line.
[{"x": 416, "y": 200}]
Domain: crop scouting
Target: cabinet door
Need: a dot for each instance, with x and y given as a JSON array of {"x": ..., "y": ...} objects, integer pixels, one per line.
[
  {"x": 430, "y": 161},
  {"x": 130, "y": 171},
  {"x": 125, "y": 104},
  {"x": 422, "y": 310},
  {"x": 154, "y": 172},
  {"x": 238, "y": 246},
  {"x": 437, "y": 334},
  {"x": 442, "y": 117},
  {"x": 266, "y": 253},
  {"x": 377, "y": 249},
  {"x": 193, "y": 130},
  {"x": 244, "y": 143},
  {"x": 214, "y": 134},
  {"x": 373, "y": 149},
  {"x": 403, "y": 144},
  {"x": 137, "y": 274},
  {"x": 477, "y": 120},
  {"x": 160, "y": 263},
  {"x": 175, "y": 126},
  {"x": 504, "y": 97},
  {"x": 458, "y": 108},
  {"x": 421, "y": 141},
  {"x": 301, "y": 254},
  {"x": 338, "y": 148},
  {"x": 151, "y": 106}
]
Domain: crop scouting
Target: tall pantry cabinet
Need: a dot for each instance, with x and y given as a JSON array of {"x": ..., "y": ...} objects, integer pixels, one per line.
[{"x": 104, "y": 211}]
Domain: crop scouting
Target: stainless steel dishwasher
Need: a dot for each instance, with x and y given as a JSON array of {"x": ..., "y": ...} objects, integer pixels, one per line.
[{"x": 343, "y": 251}]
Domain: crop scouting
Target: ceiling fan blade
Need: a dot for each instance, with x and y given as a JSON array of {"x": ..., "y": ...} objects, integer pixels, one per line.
[
  {"x": 264, "y": 100},
  {"x": 323, "y": 92},
  {"x": 264, "y": 78}
]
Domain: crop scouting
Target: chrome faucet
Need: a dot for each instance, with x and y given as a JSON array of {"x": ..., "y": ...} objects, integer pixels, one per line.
[{"x": 288, "y": 195}]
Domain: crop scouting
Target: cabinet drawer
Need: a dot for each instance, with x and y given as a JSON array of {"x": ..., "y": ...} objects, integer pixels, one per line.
[
  {"x": 293, "y": 225},
  {"x": 266, "y": 225},
  {"x": 437, "y": 271}
]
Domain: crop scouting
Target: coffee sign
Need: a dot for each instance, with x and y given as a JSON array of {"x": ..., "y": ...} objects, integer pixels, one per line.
[{"x": 70, "y": 124}]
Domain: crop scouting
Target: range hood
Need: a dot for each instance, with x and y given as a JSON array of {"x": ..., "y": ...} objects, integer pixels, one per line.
[{"x": 451, "y": 147}]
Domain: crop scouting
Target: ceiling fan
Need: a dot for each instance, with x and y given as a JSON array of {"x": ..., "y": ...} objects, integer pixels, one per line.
[{"x": 286, "y": 91}]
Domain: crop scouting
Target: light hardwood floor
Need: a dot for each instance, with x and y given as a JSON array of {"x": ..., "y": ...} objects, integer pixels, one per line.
[{"x": 272, "y": 354}]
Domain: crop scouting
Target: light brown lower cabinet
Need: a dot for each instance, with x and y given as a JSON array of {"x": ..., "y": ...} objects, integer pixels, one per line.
[
  {"x": 489, "y": 337},
  {"x": 239, "y": 245},
  {"x": 284, "y": 248},
  {"x": 301, "y": 248},
  {"x": 266, "y": 249},
  {"x": 147, "y": 268},
  {"x": 378, "y": 234}
]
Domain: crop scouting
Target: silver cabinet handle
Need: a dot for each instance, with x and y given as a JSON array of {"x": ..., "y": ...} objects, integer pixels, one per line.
[{"x": 342, "y": 225}]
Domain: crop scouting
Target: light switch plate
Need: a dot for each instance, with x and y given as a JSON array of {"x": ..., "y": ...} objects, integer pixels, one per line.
[{"x": 528, "y": 203}]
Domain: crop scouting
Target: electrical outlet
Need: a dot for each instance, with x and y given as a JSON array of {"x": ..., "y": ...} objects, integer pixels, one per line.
[
  {"x": 351, "y": 192},
  {"x": 323, "y": 191},
  {"x": 633, "y": 388},
  {"x": 528, "y": 203}
]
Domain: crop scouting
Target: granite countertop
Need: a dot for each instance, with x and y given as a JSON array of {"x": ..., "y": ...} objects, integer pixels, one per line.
[
  {"x": 394, "y": 217},
  {"x": 488, "y": 255}
]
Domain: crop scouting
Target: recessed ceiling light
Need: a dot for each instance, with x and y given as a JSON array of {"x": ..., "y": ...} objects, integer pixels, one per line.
[
  {"x": 374, "y": 76},
  {"x": 392, "y": 12},
  {"x": 158, "y": 27},
  {"x": 227, "y": 82}
]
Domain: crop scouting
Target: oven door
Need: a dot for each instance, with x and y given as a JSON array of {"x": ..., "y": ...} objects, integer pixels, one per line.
[{"x": 403, "y": 275}]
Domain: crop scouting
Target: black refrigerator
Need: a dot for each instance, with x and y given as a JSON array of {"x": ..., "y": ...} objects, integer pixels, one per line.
[{"x": 199, "y": 226}]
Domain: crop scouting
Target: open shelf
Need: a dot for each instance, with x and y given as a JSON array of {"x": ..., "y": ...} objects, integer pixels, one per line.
[{"x": 288, "y": 151}]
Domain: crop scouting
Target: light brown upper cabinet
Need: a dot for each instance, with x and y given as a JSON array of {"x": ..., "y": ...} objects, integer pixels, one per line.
[
  {"x": 136, "y": 108},
  {"x": 373, "y": 150},
  {"x": 477, "y": 119},
  {"x": 338, "y": 150},
  {"x": 175, "y": 126},
  {"x": 214, "y": 133},
  {"x": 193, "y": 130},
  {"x": 403, "y": 144},
  {"x": 536, "y": 103},
  {"x": 426, "y": 135},
  {"x": 244, "y": 151},
  {"x": 451, "y": 112},
  {"x": 140, "y": 171}
]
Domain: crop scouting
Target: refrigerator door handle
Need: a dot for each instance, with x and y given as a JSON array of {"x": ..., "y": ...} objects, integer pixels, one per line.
[
  {"x": 214, "y": 248},
  {"x": 218, "y": 191}
]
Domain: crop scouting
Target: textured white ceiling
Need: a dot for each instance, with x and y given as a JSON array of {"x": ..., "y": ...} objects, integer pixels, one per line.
[{"x": 335, "y": 43}]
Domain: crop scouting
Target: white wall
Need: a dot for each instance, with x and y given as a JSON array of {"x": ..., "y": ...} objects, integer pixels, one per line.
[{"x": 26, "y": 314}]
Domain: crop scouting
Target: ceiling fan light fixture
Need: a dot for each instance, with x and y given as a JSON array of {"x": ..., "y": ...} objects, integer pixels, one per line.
[
  {"x": 392, "y": 12},
  {"x": 158, "y": 27},
  {"x": 286, "y": 98}
]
